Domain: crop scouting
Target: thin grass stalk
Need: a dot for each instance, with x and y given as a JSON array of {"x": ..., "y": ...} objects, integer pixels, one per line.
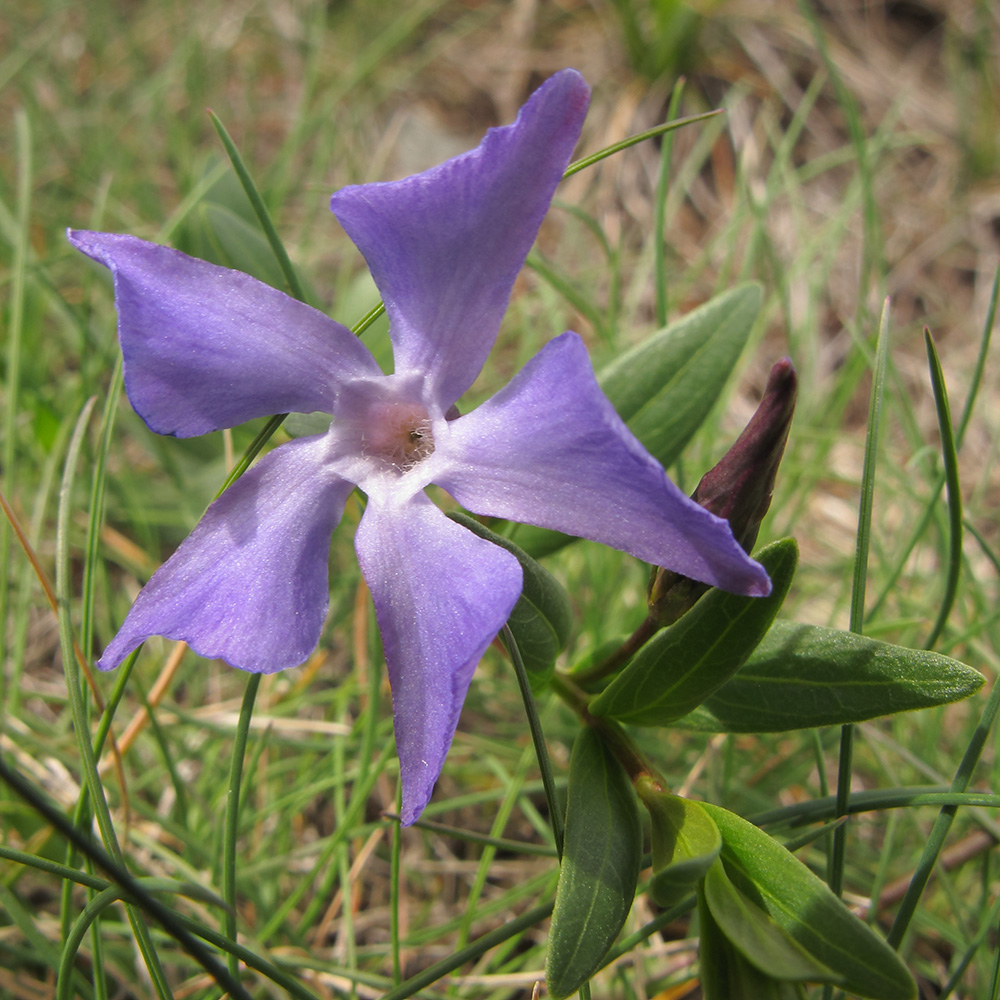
[
  {"x": 163, "y": 743},
  {"x": 233, "y": 815},
  {"x": 359, "y": 798},
  {"x": 260, "y": 210},
  {"x": 96, "y": 513},
  {"x": 513, "y": 785},
  {"x": 660, "y": 210},
  {"x": 632, "y": 140},
  {"x": 995, "y": 985},
  {"x": 870, "y": 257},
  {"x": 346, "y": 816},
  {"x": 10, "y": 680},
  {"x": 949, "y": 454},
  {"x": 876, "y": 800},
  {"x": 474, "y": 951},
  {"x": 78, "y": 706},
  {"x": 85, "y": 921},
  {"x": 482, "y": 839},
  {"x": 838, "y": 846},
  {"x": 81, "y": 812},
  {"x": 942, "y": 824},
  {"x": 963, "y": 423},
  {"x": 44, "y": 951},
  {"x": 537, "y": 737},
  {"x": 396, "y": 851},
  {"x": 132, "y": 887},
  {"x": 88, "y": 587},
  {"x": 10, "y": 701}
]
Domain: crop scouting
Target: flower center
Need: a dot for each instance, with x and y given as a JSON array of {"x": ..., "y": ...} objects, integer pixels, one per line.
[{"x": 398, "y": 433}]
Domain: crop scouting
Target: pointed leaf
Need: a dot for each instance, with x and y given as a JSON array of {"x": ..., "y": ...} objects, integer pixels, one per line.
[
  {"x": 760, "y": 939},
  {"x": 229, "y": 240},
  {"x": 804, "y": 907},
  {"x": 686, "y": 842},
  {"x": 542, "y": 617},
  {"x": 666, "y": 386},
  {"x": 726, "y": 974},
  {"x": 602, "y": 850},
  {"x": 678, "y": 669},
  {"x": 803, "y": 676}
]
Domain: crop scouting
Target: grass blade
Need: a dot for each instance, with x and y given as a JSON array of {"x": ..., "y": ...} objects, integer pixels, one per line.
[
  {"x": 260, "y": 209},
  {"x": 949, "y": 453},
  {"x": 839, "y": 844}
]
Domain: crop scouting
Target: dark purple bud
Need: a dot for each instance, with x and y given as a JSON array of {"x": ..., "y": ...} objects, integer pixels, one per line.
[{"x": 739, "y": 488}]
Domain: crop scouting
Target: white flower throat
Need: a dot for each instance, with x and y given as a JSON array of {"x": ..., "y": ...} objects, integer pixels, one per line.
[{"x": 397, "y": 433}]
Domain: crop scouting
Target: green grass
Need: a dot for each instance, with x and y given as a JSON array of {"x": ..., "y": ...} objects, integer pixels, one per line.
[{"x": 815, "y": 190}]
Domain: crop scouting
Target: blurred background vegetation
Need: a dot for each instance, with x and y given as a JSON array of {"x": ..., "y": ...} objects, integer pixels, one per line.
[{"x": 859, "y": 157}]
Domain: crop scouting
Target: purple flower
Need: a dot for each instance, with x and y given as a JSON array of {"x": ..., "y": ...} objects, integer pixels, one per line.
[{"x": 207, "y": 348}]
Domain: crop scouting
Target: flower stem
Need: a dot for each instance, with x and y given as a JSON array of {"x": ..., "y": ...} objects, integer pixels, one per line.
[
  {"x": 637, "y": 765},
  {"x": 537, "y": 737},
  {"x": 233, "y": 815},
  {"x": 619, "y": 657}
]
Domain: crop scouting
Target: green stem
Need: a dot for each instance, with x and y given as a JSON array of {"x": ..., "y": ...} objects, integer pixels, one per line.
[
  {"x": 620, "y": 656},
  {"x": 637, "y": 765},
  {"x": 537, "y": 737},
  {"x": 233, "y": 814}
]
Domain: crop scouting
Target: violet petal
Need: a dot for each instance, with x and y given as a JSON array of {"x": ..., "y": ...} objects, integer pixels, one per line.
[
  {"x": 445, "y": 246},
  {"x": 441, "y": 594},
  {"x": 550, "y": 450},
  {"x": 250, "y": 583},
  {"x": 206, "y": 347}
]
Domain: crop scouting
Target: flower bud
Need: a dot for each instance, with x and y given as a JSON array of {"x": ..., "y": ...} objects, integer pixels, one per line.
[{"x": 738, "y": 488}]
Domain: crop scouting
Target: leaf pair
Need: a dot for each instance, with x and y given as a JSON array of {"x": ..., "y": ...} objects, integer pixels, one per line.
[
  {"x": 768, "y": 923},
  {"x": 728, "y": 666},
  {"x": 686, "y": 663}
]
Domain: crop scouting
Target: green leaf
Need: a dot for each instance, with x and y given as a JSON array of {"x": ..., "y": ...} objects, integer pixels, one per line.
[
  {"x": 678, "y": 669},
  {"x": 665, "y": 387},
  {"x": 726, "y": 974},
  {"x": 686, "y": 842},
  {"x": 803, "y": 906},
  {"x": 227, "y": 239},
  {"x": 542, "y": 618},
  {"x": 602, "y": 851},
  {"x": 803, "y": 676},
  {"x": 760, "y": 939}
]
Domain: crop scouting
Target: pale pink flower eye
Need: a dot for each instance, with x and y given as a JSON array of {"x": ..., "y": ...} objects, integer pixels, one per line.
[{"x": 399, "y": 434}]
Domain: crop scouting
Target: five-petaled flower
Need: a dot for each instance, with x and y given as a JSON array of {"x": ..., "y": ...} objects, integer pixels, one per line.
[{"x": 206, "y": 348}]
